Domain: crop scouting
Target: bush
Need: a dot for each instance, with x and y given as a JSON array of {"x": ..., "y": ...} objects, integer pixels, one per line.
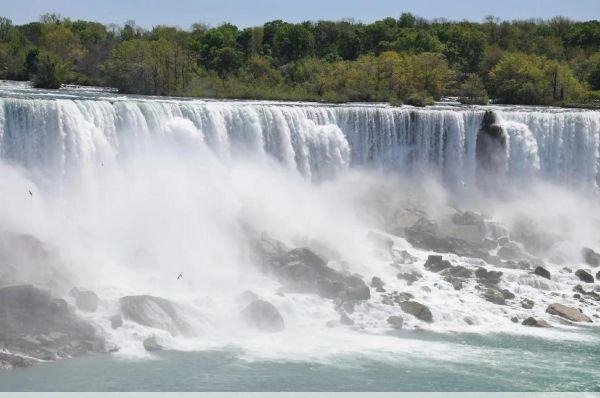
[
  {"x": 420, "y": 99},
  {"x": 48, "y": 72}
]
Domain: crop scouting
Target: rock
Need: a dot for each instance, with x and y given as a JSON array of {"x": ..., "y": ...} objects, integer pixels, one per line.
[
  {"x": 155, "y": 312},
  {"x": 418, "y": 310},
  {"x": 116, "y": 321},
  {"x": 469, "y": 321},
  {"x": 508, "y": 295},
  {"x": 510, "y": 251},
  {"x": 590, "y": 257},
  {"x": 306, "y": 272},
  {"x": 490, "y": 151},
  {"x": 566, "y": 270},
  {"x": 404, "y": 257},
  {"x": 13, "y": 361},
  {"x": 37, "y": 326},
  {"x": 503, "y": 240},
  {"x": 590, "y": 294},
  {"x": 584, "y": 276},
  {"x": 86, "y": 300},
  {"x": 514, "y": 319},
  {"x": 527, "y": 303},
  {"x": 598, "y": 275},
  {"x": 263, "y": 316},
  {"x": 459, "y": 272},
  {"x": 489, "y": 244},
  {"x": 494, "y": 296},
  {"x": 378, "y": 284},
  {"x": 151, "y": 345},
  {"x": 488, "y": 277},
  {"x": 456, "y": 283},
  {"x": 345, "y": 319},
  {"x": 409, "y": 277},
  {"x": 543, "y": 272},
  {"x": 435, "y": 263},
  {"x": 395, "y": 321},
  {"x": 538, "y": 323},
  {"x": 570, "y": 313},
  {"x": 396, "y": 298}
]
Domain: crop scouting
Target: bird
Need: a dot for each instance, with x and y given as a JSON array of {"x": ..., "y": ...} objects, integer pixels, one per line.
[
  {"x": 30, "y": 193},
  {"x": 180, "y": 275}
]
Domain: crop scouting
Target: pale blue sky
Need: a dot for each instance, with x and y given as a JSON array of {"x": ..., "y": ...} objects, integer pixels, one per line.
[{"x": 255, "y": 12}]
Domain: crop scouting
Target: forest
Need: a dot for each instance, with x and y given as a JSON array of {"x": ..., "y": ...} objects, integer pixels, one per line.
[{"x": 404, "y": 60}]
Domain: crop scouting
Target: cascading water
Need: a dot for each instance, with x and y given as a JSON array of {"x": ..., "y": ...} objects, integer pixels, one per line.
[{"x": 129, "y": 192}]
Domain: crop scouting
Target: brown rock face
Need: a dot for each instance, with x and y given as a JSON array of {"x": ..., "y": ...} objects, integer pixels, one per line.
[{"x": 570, "y": 313}]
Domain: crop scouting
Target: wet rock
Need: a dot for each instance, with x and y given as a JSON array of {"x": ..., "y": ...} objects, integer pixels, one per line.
[
  {"x": 598, "y": 275},
  {"x": 459, "y": 272},
  {"x": 527, "y": 303},
  {"x": 151, "y": 345},
  {"x": 488, "y": 277},
  {"x": 494, "y": 296},
  {"x": 435, "y": 263},
  {"x": 566, "y": 270},
  {"x": 569, "y": 313},
  {"x": 538, "y": 323},
  {"x": 396, "y": 298},
  {"x": 86, "y": 300},
  {"x": 469, "y": 321},
  {"x": 456, "y": 283},
  {"x": 247, "y": 296},
  {"x": 514, "y": 319},
  {"x": 155, "y": 312},
  {"x": 13, "y": 361},
  {"x": 36, "y": 325},
  {"x": 490, "y": 151},
  {"x": 116, "y": 321},
  {"x": 503, "y": 240},
  {"x": 510, "y": 251},
  {"x": 584, "y": 276},
  {"x": 395, "y": 321},
  {"x": 378, "y": 284},
  {"x": 404, "y": 257},
  {"x": 306, "y": 272},
  {"x": 409, "y": 277},
  {"x": 507, "y": 294},
  {"x": 590, "y": 294},
  {"x": 543, "y": 272},
  {"x": 417, "y": 309},
  {"x": 263, "y": 316},
  {"x": 590, "y": 257}
]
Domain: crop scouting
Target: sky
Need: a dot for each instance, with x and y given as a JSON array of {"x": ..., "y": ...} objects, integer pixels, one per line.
[{"x": 244, "y": 13}]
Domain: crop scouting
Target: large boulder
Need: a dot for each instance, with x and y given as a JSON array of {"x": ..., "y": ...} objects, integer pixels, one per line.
[
  {"x": 538, "y": 323},
  {"x": 488, "y": 277},
  {"x": 86, "y": 300},
  {"x": 510, "y": 251},
  {"x": 36, "y": 325},
  {"x": 395, "y": 322},
  {"x": 151, "y": 344},
  {"x": 494, "y": 296},
  {"x": 590, "y": 257},
  {"x": 435, "y": 263},
  {"x": 490, "y": 151},
  {"x": 570, "y": 313},
  {"x": 584, "y": 276},
  {"x": 418, "y": 310},
  {"x": 155, "y": 312},
  {"x": 305, "y": 272},
  {"x": 543, "y": 272},
  {"x": 263, "y": 316}
]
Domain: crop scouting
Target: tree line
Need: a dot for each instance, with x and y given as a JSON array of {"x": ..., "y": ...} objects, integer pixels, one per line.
[{"x": 398, "y": 60}]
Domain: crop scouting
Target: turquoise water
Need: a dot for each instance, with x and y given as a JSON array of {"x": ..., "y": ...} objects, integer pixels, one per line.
[{"x": 503, "y": 363}]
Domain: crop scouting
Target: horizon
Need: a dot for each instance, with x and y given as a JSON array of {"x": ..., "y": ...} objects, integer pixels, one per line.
[{"x": 246, "y": 14}]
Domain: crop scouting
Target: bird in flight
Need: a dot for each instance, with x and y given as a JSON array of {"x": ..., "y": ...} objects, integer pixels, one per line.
[
  {"x": 180, "y": 275},
  {"x": 30, "y": 193}
]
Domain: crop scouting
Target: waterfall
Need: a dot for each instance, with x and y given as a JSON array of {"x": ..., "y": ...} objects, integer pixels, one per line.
[{"x": 62, "y": 135}]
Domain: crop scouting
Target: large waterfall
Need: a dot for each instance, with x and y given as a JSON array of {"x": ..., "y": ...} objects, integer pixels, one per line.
[
  {"x": 179, "y": 214},
  {"x": 62, "y": 135}
]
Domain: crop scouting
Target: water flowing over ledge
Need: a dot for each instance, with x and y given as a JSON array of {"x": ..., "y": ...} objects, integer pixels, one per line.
[{"x": 63, "y": 134}]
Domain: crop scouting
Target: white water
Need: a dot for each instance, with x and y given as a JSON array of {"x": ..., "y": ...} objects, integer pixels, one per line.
[{"x": 133, "y": 191}]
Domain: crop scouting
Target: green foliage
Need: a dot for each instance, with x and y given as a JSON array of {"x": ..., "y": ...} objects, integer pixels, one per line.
[
  {"x": 403, "y": 60},
  {"x": 48, "y": 72}
]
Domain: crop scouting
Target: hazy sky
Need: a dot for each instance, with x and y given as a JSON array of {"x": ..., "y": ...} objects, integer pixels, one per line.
[{"x": 255, "y": 12}]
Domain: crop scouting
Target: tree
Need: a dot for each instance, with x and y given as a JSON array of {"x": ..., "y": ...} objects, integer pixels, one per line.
[
  {"x": 472, "y": 90},
  {"x": 48, "y": 72},
  {"x": 292, "y": 42},
  {"x": 592, "y": 73}
]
